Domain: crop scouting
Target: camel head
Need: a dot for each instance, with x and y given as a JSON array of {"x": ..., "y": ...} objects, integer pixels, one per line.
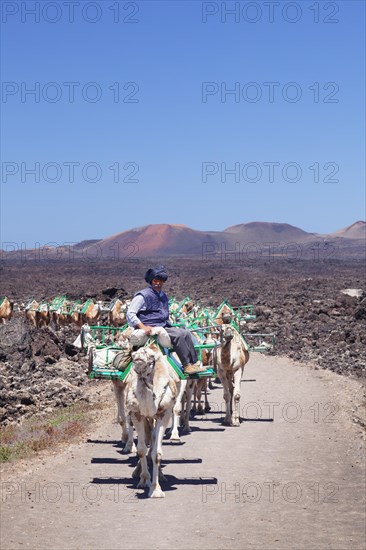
[
  {"x": 226, "y": 318},
  {"x": 227, "y": 333},
  {"x": 124, "y": 305},
  {"x": 144, "y": 360},
  {"x": 123, "y": 342},
  {"x": 189, "y": 306}
]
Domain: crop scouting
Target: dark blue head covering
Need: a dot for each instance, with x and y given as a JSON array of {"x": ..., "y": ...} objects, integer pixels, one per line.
[{"x": 157, "y": 272}]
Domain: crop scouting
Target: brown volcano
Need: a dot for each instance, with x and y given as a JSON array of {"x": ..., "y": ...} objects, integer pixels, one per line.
[{"x": 158, "y": 240}]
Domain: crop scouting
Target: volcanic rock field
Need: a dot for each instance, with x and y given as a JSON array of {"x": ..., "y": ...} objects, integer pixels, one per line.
[{"x": 301, "y": 302}]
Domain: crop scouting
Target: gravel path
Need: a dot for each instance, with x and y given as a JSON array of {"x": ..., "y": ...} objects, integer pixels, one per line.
[{"x": 291, "y": 477}]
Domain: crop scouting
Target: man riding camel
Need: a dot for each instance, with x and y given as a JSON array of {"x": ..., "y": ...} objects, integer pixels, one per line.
[{"x": 149, "y": 308}]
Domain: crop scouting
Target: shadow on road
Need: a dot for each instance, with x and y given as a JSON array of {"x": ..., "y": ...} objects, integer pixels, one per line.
[
  {"x": 182, "y": 461},
  {"x": 109, "y": 460},
  {"x": 172, "y": 480},
  {"x": 198, "y": 429},
  {"x": 257, "y": 419},
  {"x": 167, "y": 485},
  {"x": 220, "y": 421},
  {"x": 116, "y": 443}
]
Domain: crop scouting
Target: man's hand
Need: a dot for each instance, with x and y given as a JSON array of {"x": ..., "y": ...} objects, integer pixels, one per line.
[{"x": 146, "y": 329}]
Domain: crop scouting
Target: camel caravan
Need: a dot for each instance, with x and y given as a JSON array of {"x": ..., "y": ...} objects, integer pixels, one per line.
[
  {"x": 151, "y": 389},
  {"x": 62, "y": 311}
]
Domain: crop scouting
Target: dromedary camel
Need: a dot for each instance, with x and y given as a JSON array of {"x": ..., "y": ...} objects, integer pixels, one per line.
[
  {"x": 232, "y": 356},
  {"x": 31, "y": 311},
  {"x": 90, "y": 312},
  {"x": 106, "y": 358},
  {"x": 6, "y": 309},
  {"x": 150, "y": 397},
  {"x": 117, "y": 313}
]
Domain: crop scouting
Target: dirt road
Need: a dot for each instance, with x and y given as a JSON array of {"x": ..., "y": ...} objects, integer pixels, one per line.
[{"x": 291, "y": 477}]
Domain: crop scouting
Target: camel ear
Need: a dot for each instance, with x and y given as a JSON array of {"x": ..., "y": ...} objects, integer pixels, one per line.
[{"x": 153, "y": 348}]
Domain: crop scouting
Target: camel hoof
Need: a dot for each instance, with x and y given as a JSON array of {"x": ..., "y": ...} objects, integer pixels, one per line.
[
  {"x": 157, "y": 493},
  {"x": 143, "y": 483},
  {"x": 128, "y": 449}
]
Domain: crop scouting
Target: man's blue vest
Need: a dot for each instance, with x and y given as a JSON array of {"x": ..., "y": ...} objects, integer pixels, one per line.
[{"x": 157, "y": 308}]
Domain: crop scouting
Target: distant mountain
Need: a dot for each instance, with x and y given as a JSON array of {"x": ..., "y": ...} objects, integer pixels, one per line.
[
  {"x": 84, "y": 244},
  {"x": 165, "y": 240},
  {"x": 162, "y": 240},
  {"x": 268, "y": 232},
  {"x": 355, "y": 231},
  {"x": 157, "y": 240}
]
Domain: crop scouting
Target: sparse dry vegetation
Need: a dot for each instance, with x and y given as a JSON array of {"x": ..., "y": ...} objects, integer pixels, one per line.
[{"x": 25, "y": 440}]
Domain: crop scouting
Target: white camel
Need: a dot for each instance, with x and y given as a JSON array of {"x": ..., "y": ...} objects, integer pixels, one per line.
[
  {"x": 151, "y": 394},
  {"x": 102, "y": 358}
]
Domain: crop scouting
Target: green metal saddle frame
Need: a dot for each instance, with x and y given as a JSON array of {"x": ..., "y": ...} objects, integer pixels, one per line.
[{"x": 98, "y": 373}]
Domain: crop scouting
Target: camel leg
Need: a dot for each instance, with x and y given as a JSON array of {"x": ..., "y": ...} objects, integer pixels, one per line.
[
  {"x": 227, "y": 397},
  {"x": 194, "y": 401},
  {"x": 126, "y": 425},
  {"x": 141, "y": 452},
  {"x": 198, "y": 393},
  {"x": 236, "y": 397},
  {"x": 157, "y": 453},
  {"x": 130, "y": 446},
  {"x": 177, "y": 410},
  {"x": 231, "y": 389},
  {"x": 205, "y": 387},
  {"x": 189, "y": 392},
  {"x": 183, "y": 409},
  {"x": 202, "y": 386}
]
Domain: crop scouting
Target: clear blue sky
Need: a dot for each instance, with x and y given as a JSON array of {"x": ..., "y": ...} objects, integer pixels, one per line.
[{"x": 170, "y": 130}]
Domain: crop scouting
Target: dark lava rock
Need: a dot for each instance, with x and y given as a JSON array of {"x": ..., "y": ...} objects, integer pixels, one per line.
[
  {"x": 113, "y": 292},
  {"x": 360, "y": 313},
  {"x": 71, "y": 350},
  {"x": 301, "y": 302}
]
